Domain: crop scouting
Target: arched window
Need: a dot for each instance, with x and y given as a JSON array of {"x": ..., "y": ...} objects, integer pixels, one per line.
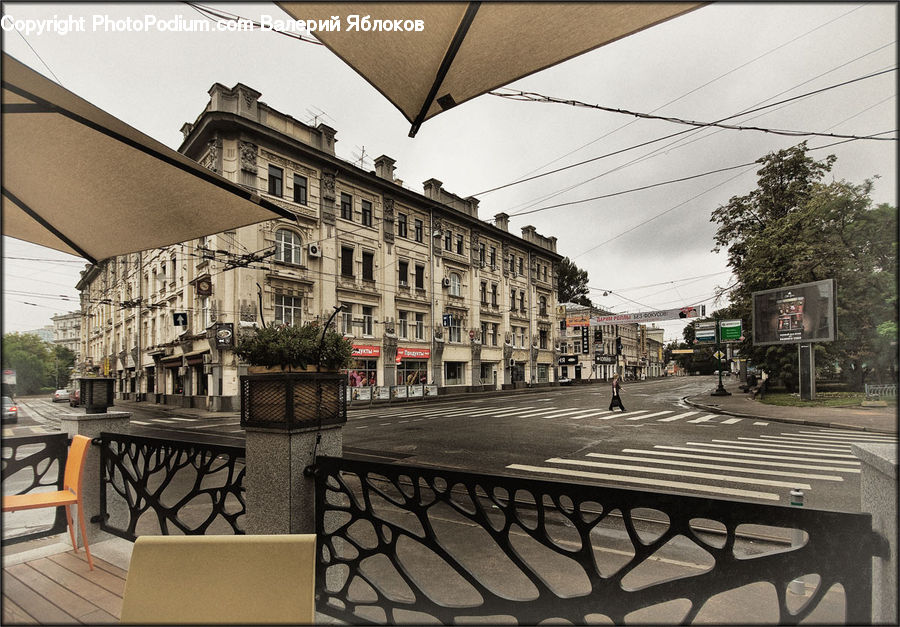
[
  {"x": 287, "y": 246},
  {"x": 455, "y": 283}
]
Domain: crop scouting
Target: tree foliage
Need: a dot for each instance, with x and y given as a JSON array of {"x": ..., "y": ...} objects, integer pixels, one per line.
[
  {"x": 572, "y": 286},
  {"x": 794, "y": 228},
  {"x": 35, "y": 362}
]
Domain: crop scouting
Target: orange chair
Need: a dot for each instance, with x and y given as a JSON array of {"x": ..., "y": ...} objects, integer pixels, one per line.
[{"x": 69, "y": 495}]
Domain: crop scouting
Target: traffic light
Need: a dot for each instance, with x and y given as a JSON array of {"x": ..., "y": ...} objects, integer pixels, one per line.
[
  {"x": 618, "y": 346},
  {"x": 598, "y": 335}
]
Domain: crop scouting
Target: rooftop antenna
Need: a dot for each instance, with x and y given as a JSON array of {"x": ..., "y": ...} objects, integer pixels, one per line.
[{"x": 361, "y": 157}]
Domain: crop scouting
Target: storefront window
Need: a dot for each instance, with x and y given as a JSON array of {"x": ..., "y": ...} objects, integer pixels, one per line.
[
  {"x": 362, "y": 372},
  {"x": 454, "y": 373},
  {"x": 412, "y": 372},
  {"x": 543, "y": 373}
]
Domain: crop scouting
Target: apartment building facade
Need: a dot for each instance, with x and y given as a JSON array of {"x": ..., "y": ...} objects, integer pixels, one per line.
[
  {"x": 67, "y": 332},
  {"x": 427, "y": 291}
]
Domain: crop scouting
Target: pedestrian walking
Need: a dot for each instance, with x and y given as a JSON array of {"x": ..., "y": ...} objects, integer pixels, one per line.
[{"x": 616, "y": 400}]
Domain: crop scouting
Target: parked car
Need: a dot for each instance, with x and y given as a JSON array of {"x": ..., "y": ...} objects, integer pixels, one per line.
[
  {"x": 10, "y": 411},
  {"x": 60, "y": 396},
  {"x": 75, "y": 397},
  {"x": 566, "y": 381}
]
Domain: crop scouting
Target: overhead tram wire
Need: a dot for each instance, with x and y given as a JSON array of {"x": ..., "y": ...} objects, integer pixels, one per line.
[{"x": 659, "y": 139}]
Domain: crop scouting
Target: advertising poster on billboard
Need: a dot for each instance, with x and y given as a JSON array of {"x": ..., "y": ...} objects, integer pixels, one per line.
[{"x": 795, "y": 314}]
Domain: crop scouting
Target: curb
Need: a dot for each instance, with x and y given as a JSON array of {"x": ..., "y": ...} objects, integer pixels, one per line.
[{"x": 796, "y": 421}]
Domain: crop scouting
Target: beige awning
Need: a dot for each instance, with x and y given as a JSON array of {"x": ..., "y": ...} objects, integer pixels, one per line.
[
  {"x": 81, "y": 181},
  {"x": 466, "y": 49}
]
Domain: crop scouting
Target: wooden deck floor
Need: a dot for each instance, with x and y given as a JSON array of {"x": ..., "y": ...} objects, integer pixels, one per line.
[{"x": 60, "y": 589}]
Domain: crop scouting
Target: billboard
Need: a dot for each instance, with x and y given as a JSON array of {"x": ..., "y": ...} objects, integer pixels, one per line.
[{"x": 795, "y": 314}]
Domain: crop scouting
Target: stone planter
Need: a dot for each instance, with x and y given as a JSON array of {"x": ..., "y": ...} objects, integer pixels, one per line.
[{"x": 286, "y": 400}]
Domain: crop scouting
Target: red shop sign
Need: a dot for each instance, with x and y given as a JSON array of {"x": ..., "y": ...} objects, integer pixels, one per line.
[
  {"x": 413, "y": 353},
  {"x": 366, "y": 351}
]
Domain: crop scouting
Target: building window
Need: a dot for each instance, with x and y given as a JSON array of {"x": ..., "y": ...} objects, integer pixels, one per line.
[
  {"x": 522, "y": 338},
  {"x": 521, "y": 266},
  {"x": 287, "y": 309},
  {"x": 493, "y": 258},
  {"x": 482, "y": 253},
  {"x": 204, "y": 312},
  {"x": 346, "y": 206},
  {"x": 455, "y": 330},
  {"x": 577, "y": 347},
  {"x": 484, "y": 293},
  {"x": 542, "y": 341},
  {"x": 494, "y": 333},
  {"x": 403, "y": 325},
  {"x": 420, "y": 326},
  {"x": 346, "y": 261},
  {"x": 484, "y": 332},
  {"x": 347, "y": 322},
  {"x": 543, "y": 373},
  {"x": 366, "y": 213},
  {"x": 454, "y": 372},
  {"x": 300, "y": 188},
  {"x": 368, "y": 321},
  {"x": 512, "y": 299},
  {"x": 368, "y": 266},
  {"x": 287, "y": 246},
  {"x": 543, "y": 305},
  {"x": 448, "y": 240},
  {"x": 420, "y": 277},
  {"x": 459, "y": 244},
  {"x": 276, "y": 181},
  {"x": 455, "y": 284},
  {"x": 512, "y": 262},
  {"x": 362, "y": 372},
  {"x": 522, "y": 301},
  {"x": 403, "y": 273},
  {"x": 401, "y": 225},
  {"x": 418, "y": 228}
]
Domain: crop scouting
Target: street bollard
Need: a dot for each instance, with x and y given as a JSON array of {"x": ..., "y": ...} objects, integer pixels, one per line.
[{"x": 796, "y": 586}]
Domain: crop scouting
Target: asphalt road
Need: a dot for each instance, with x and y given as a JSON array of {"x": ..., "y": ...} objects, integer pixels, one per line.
[{"x": 659, "y": 443}]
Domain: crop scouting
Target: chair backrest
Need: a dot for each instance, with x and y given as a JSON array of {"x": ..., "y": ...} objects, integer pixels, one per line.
[
  {"x": 75, "y": 463},
  {"x": 234, "y": 580}
]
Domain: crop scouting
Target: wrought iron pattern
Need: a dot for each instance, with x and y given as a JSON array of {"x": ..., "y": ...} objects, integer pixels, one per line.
[
  {"x": 42, "y": 458},
  {"x": 170, "y": 487},
  {"x": 402, "y": 544}
]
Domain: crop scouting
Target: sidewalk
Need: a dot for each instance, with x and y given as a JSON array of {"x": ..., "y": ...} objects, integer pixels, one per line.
[{"x": 740, "y": 405}]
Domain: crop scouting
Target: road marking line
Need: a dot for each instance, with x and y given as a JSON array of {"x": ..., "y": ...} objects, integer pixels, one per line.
[
  {"x": 417, "y": 419},
  {"x": 678, "y": 417},
  {"x": 571, "y": 413},
  {"x": 812, "y": 446},
  {"x": 647, "y": 481},
  {"x": 138, "y": 422},
  {"x": 736, "y": 460},
  {"x": 754, "y": 449},
  {"x": 384, "y": 424},
  {"x": 731, "y": 421},
  {"x": 760, "y": 424},
  {"x": 592, "y": 414},
  {"x": 659, "y": 413},
  {"x": 363, "y": 427},
  {"x": 692, "y": 464},
  {"x": 862, "y": 437},
  {"x": 623, "y": 414},
  {"x": 681, "y": 473},
  {"x": 700, "y": 419},
  {"x": 730, "y": 452},
  {"x": 185, "y": 419},
  {"x": 163, "y": 420},
  {"x": 855, "y": 432}
]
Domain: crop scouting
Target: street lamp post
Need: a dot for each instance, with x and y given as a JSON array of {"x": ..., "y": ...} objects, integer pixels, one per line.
[{"x": 720, "y": 391}]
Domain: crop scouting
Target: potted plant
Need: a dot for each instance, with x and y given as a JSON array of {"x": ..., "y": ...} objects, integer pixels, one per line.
[{"x": 295, "y": 377}]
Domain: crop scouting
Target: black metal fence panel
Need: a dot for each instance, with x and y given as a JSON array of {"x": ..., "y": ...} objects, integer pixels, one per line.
[
  {"x": 35, "y": 464},
  {"x": 152, "y": 486},
  {"x": 405, "y": 544}
]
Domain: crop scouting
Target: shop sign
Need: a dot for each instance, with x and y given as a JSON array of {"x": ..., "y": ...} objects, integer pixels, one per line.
[
  {"x": 730, "y": 331},
  {"x": 567, "y": 360},
  {"x": 224, "y": 335},
  {"x": 604, "y": 359},
  {"x": 412, "y": 353},
  {"x": 577, "y": 321},
  {"x": 366, "y": 351}
]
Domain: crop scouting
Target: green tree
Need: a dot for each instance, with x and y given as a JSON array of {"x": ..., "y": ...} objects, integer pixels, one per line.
[
  {"x": 572, "y": 286},
  {"x": 794, "y": 228},
  {"x": 63, "y": 362},
  {"x": 31, "y": 358}
]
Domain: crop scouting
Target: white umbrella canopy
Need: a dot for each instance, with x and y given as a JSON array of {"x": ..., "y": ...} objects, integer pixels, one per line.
[
  {"x": 466, "y": 49},
  {"x": 81, "y": 181}
]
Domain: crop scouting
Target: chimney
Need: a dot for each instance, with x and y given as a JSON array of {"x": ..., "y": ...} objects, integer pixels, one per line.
[
  {"x": 502, "y": 221},
  {"x": 384, "y": 168},
  {"x": 326, "y": 138},
  {"x": 472, "y": 205},
  {"x": 433, "y": 189}
]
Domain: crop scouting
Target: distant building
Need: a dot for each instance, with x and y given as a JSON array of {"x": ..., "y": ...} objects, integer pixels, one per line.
[
  {"x": 45, "y": 333},
  {"x": 589, "y": 352},
  {"x": 67, "y": 332}
]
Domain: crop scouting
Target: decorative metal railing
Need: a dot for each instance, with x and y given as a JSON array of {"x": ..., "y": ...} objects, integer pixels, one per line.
[
  {"x": 30, "y": 464},
  {"x": 403, "y": 544},
  {"x": 881, "y": 390},
  {"x": 151, "y": 486}
]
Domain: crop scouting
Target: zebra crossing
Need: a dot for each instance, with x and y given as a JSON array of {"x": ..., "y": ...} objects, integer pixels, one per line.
[
  {"x": 397, "y": 415},
  {"x": 765, "y": 467}
]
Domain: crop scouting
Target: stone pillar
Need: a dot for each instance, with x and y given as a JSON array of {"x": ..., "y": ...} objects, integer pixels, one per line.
[
  {"x": 280, "y": 498},
  {"x": 92, "y": 425},
  {"x": 878, "y": 496}
]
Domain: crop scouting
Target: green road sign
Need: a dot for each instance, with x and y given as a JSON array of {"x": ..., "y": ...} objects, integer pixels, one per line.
[{"x": 730, "y": 331}]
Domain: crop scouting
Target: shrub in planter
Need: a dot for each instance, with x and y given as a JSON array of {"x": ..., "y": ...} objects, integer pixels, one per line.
[{"x": 295, "y": 348}]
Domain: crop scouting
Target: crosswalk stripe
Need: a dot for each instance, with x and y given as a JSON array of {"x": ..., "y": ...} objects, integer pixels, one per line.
[
  {"x": 571, "y": 413},
  {"x": 647, "y": 481},
  {"x": 678, "y": 417},
  {"x": 700, "y": 419},
  {"x": 760, "y": 424},
  {"x": 599, "y": 413},
  {"x": 756, "y": 455},
  {"x": 787, "y": 438},
  {"x": 545, "y": 412},
  {"x": 138, "y": 422},
  {"x": 185, "y": 419},
  {"x": 163, "y": 420},
  {"x": 794, "y": 444},
  {"x": 659, "y": 413},
  {"x": 737, "y": 460},
  {"x": 681, "y": 473},
  {"x": 774, "y": 449},
  {"x": 856, "y": 432},
  {"x": 623, "y": 414},
  {"x": 731, "y": 421},
  {"x": 849, "y": 437},
  {"x": 696, "y": 464}
]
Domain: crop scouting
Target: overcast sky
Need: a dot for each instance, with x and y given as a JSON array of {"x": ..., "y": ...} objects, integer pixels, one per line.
[{"x": 647, "y": 250}]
